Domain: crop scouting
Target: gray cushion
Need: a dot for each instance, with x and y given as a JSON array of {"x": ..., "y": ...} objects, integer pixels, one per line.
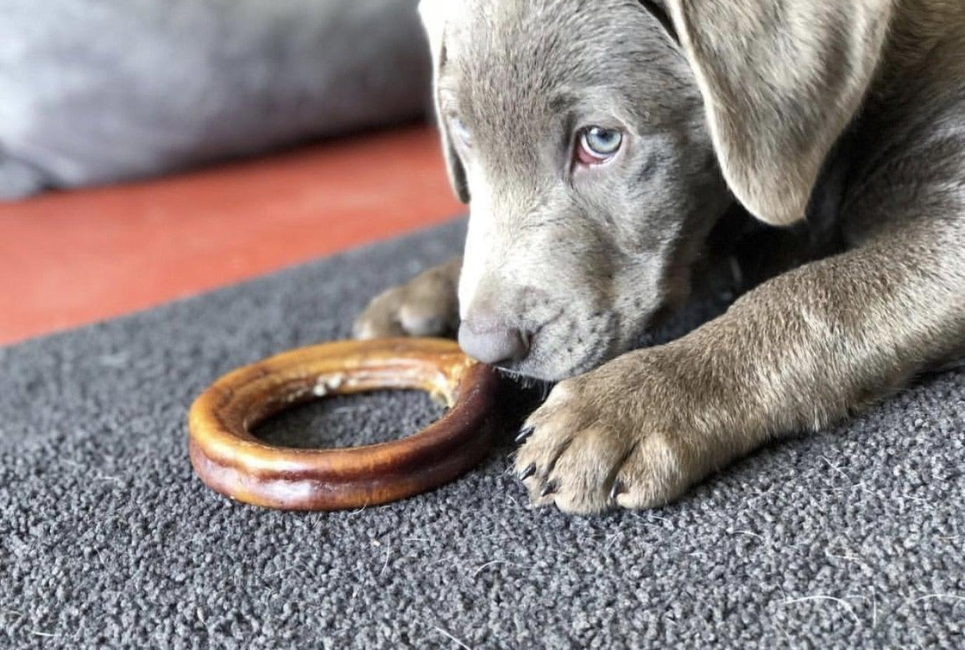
[{"x": 95, "y": 91}]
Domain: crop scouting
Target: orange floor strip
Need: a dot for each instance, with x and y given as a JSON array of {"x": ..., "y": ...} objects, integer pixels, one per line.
[{"x": 76, "y": 257}]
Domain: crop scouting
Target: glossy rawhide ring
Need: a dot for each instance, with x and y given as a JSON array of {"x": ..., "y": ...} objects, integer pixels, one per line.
[{"x": 230, "y": 460}]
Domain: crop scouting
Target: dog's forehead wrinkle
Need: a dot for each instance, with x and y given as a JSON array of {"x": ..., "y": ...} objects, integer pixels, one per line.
[
  {"x": 556, "y": 41},
  {"x": 515, "y": 80}
]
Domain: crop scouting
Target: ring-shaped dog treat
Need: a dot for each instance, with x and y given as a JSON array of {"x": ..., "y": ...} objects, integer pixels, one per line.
[{"x": 232, "y": 461}]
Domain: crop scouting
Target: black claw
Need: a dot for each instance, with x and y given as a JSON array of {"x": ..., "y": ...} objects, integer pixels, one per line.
[
  {"x": 548, "y": 489},
  {"x": 528, "y": 472},
  {"x": 524, "y": 433},
  {"x": 619, "y": 487}
]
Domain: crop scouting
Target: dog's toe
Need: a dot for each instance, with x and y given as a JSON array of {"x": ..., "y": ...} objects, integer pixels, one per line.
[
  {"x": 380, "y": 319},
  {"x": 586, "y": 470},
  {"x": 570, "y": 458},
  {"x": 587, "y": 455},
  {"x": 426, "y": 306}
]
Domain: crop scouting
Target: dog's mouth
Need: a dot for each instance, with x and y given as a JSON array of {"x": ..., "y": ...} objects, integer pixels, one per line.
[{"x": 563, "y": 347}]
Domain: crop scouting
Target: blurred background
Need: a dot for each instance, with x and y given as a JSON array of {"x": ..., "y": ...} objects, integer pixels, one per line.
[{"x": 154, "y": 149}]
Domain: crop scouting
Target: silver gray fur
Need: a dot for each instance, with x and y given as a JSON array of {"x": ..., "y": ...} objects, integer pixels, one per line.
[
  {"x": 95, "y": 91},
  {"x": 850, "y": 113}
]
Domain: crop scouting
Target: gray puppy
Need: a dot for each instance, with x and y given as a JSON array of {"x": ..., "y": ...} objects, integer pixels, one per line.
[{"x": 602, "y": 143}]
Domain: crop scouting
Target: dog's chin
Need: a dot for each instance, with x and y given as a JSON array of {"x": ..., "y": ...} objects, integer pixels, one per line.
[{"x": 531, "y": 374}]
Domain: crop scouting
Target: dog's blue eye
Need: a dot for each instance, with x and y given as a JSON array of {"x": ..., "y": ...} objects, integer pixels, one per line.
[
  {"x": 598, "y": 144},
  {"x": 604, "y": 142}
]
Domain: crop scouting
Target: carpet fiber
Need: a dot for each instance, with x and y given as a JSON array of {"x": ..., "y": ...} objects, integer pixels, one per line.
[{"x": 849, "y": 538}]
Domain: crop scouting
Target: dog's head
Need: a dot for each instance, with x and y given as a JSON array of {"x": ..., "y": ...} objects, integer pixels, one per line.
[{"x": 598, "y": 142}]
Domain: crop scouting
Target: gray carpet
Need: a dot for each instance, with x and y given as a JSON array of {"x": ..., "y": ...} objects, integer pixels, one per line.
[{"x": 852, "y": 538}]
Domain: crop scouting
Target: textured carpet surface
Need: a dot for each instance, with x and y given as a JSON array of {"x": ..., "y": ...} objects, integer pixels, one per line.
[{"x": 849, "y": 538}]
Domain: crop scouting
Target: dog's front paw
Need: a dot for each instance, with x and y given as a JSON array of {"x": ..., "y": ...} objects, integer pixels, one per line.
[
  {"x": 425, "y": 306},
  {"x": 622, "y": 436}
]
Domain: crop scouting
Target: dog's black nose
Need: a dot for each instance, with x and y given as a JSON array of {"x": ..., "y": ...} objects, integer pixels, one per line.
[{"x": 492, "y": 342}]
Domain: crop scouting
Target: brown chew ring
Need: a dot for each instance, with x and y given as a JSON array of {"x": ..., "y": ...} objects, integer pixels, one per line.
[{"x": 230, "y": 460}]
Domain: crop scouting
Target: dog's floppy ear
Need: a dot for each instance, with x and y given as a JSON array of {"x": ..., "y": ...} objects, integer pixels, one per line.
[
  {"x": 434, "y": 16},
  {"x": 781, "y": 80}
]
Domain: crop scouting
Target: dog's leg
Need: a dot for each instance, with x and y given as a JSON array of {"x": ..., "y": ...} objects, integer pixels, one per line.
[
  {"x": 425, "y": 306},
  {"x": 797, "y": 353}
]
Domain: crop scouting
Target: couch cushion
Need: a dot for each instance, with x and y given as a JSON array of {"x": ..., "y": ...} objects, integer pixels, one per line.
[{"x": 95, "y": 91}]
